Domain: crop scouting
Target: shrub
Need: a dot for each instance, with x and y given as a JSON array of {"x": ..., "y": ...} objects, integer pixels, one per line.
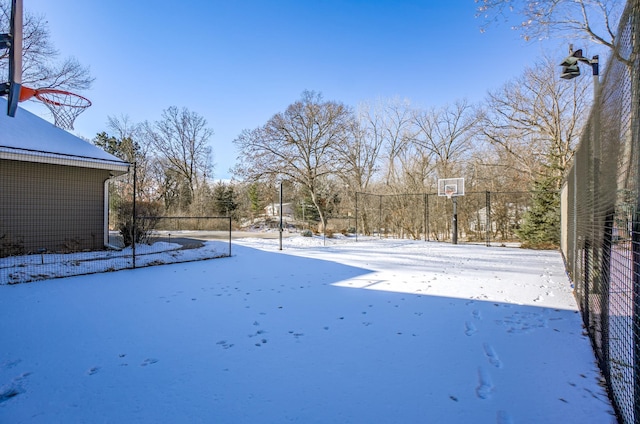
[
  {"x": 143, "y": 227},
  {"x": 306, "y": 233},
  {"x": 10, "y": 247}
]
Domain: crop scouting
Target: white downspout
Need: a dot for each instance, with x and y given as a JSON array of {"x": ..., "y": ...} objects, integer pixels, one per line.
[{"x": 106, "y": 210}]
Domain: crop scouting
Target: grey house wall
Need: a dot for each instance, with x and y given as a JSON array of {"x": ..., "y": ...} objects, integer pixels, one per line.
[{"x": 55, "y": 207}]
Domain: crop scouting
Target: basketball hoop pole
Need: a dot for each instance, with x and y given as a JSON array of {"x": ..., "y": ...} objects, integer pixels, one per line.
[
  {"x": 454, "y": 223},
  {"x": 454, "y": 219}
]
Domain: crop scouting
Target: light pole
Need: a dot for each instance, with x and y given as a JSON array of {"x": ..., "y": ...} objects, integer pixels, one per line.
[{"x": 570, "y": 70}]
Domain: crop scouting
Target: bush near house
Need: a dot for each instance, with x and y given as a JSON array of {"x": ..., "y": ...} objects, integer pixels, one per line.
[{"x": 150, "y": 210}]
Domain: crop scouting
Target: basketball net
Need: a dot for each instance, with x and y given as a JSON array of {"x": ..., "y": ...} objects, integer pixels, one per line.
[
  {"x": 449, "y": 193},
  {"x": 63, "y": 105}
]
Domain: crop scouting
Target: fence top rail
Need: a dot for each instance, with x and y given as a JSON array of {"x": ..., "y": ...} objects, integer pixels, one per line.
[
  {"x": 393, "y": 195},
  {"x": 183, "y": 217},
  {"x": 436, "y": 194}
]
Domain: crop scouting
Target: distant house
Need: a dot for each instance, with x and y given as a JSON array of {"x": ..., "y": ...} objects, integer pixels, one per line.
[
  {"x": 53, "y": 187},
  {"x": 505, "y": 218},
  {"x": 273, "y": 209}
]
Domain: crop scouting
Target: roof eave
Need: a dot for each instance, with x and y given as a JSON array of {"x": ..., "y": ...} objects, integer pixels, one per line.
[{"x": 117, "y": 167}]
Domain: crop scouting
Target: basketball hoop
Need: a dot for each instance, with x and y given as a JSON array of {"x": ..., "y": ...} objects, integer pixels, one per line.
[
  {"x": 64, "y": 106},
  {"x": 451, "y": 187},
  {"x": 450, "y": 190}
]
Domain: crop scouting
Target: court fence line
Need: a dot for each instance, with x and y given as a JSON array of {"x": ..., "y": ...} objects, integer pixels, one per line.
[{"x": 600, "y": 221}]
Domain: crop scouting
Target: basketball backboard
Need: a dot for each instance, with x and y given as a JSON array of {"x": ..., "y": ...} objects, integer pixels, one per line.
[
  {"x": 451, "y": 187},
  {"x": 13, "y": 42}
]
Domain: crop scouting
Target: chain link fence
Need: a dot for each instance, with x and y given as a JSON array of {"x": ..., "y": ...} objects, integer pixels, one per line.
[
  {"x": 601, "y": 222},
  {"x": 62, "y": 216},
  {"x": 489, "y": 218}
]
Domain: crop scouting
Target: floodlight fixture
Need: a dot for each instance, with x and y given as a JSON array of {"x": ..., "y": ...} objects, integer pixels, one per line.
[
  {"x": 570, "y": 65},
  {"x": 570, "y": 68}
]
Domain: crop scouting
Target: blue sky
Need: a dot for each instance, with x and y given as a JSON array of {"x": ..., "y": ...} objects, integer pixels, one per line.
[{"x": 237, "y": 63}]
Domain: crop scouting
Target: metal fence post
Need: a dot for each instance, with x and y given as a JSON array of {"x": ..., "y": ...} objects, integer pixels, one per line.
[
  {"x": 229, "y": 236},
  {"x": 488, "y": 219},
  {"x": 356, "y": 216},
  {"x": 280, "y": 229},
  {"x": 380, "y": 218},
  {"x": 426, "y": 217},
  {"x": 134, "y": 217}
]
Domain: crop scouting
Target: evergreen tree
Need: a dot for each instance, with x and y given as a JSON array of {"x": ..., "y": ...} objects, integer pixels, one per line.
[
  {"x": 124, "y": 148},
  {"x": 225, "y": 199},
  {"x": 254, "y": 199},
  {"x": 541, "y": 223}
]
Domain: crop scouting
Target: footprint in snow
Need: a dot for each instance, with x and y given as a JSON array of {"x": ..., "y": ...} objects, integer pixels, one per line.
[
  {"x": 148, "y": 361},
  {"x": 485, "y": 386},
  {"x": 224, "y": 344},
  {"x": 504, "y": 418},
  {"x": 523, "y": 322},
  {"x": 93, "y": 370},
  {"x": 10, "y": 363},
  {"x": 13, "y": 389},
  {"x": 470, "y": 328},
  {"x": 492, "y": 356},
  {"x": 9, "y": 391}
]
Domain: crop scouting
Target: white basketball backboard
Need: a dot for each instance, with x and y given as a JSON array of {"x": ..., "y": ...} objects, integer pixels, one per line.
[{"x": 451, "y": 187}]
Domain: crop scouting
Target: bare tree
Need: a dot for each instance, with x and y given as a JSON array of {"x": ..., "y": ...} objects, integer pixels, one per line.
[
  {"x": 389, "y": 121},
  {"x": 418, "y": 169},
  {"x": 537, "y": 120},
  {"x": 446, "y": 134},
  {"x": 40, "y": 67},
  {"x": 127, "y": 136},
  {"x": 131, "y": 146},
  {"x": 361, "y": 152},
  {"x": 299, "y": 145},
  {"x": 181, "y": 143}
]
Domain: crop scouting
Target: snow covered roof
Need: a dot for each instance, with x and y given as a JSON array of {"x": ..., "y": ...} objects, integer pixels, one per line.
[{"x": 27, "y": 137}]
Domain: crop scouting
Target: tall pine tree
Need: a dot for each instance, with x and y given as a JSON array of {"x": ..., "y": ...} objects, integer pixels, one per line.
[
  {"x": 225, "y": 199},
  {"x": 541, "y": 223}
]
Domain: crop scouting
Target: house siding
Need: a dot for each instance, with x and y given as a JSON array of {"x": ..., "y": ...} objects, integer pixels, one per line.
[{"x": 55, "y": 207}]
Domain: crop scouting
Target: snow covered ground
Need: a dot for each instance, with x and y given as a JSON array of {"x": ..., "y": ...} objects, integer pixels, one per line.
[{"x": 379, "y": 331}]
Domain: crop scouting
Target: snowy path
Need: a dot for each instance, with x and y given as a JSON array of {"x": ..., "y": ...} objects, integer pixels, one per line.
[{"x": 368, "y": 332}]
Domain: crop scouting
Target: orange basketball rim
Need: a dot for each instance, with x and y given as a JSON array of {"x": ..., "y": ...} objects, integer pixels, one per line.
[{"x": 64, "y": 105}]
